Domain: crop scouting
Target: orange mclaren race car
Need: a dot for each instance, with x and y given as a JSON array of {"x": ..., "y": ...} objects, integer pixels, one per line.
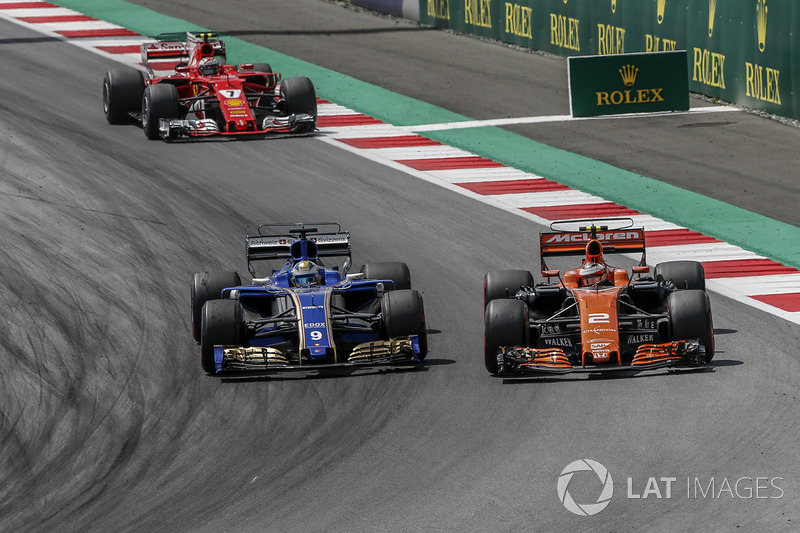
[{"x": 597, "y": 317}]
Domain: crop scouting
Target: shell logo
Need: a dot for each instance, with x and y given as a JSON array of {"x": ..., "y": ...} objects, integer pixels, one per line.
[{"x": 234, "y": 102}]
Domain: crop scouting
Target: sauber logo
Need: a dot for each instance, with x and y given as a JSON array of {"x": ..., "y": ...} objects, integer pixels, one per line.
[{"x": 602, "y": 236}]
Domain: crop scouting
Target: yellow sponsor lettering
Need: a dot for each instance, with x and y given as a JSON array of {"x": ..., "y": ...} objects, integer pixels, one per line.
[
  {"x": 629, "y": 96},
  {"x": 708, "y": 68},
  {"x": 519, "y": 20},
  {"x": 653, "y": 43},
  {"x": 610, "y": 39},
  {"x": 478, "y": 13},
  {"x": 763, "y": 83},
  {"x": 439, "y": 9},
  {"x": 564, "y": 32}
]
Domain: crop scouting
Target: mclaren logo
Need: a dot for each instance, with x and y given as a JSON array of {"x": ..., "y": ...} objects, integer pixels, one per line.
[
  {"x": 585, "y": 237},
  {"x": 761, "y": 24},
  {"x": 628, "y": 73}
]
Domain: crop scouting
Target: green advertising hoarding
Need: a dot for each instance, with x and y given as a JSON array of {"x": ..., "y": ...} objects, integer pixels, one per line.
[
  {"x": 628, "y": 83},
  {"x": 740, "y": 51}
]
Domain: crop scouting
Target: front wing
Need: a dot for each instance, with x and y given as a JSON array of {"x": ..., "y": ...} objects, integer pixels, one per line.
[
  {"x": 518, "y": 360},
  {"x": 171, "y": 128},
  {"x": 401, "y": 351}
]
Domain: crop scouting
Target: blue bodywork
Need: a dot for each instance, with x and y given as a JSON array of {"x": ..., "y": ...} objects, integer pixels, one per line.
[{"x": 337, "y": 322}]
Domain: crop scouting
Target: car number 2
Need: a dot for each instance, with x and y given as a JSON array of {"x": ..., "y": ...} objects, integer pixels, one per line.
[{"x": 599, "y": 318}]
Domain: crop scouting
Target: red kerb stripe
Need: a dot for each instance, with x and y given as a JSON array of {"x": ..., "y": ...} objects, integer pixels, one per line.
[
  {"x": 513, "y": 186},
  {"x": 402, "y": 141},
  {"x": 26, "y": 5},
  {"x": 600, "y": 210},
  {"x": 787, "y": 302},
  {"x": 745, "y": 267},
  {"x": 326, "y": 121},
  {"x": 671, "y": 237},
  {"x": 57, "y": 18},
  {"x": 108, "y": 32},
  {"x": 450, "y": 163},
  {"x": 121, "y": 49}
]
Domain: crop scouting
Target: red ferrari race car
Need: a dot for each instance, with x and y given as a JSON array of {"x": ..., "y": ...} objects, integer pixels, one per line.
[
  {"x": 596, "y": 318},
  {"x": 205, "y": 96}
]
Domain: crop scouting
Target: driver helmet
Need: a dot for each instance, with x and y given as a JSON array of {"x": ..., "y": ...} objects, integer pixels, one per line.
[
  {"x": 305, "y": 273},
  {"x": 208, "y": 66},
  {"x": 591, "y": 274}
]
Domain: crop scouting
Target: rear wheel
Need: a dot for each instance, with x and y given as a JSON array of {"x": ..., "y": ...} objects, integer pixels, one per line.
[
  {"x": 403, "y": 315},
  {"x": 159, "y": 101},
  {"x": 268, "y": 80},
  {"x": 504, "y": 284},
  {"x": 208, "y": 286},
  {"x": 300, "y": 97},
  {"x": 222, "y": 324},
  {"x": 690, "y": 314},
  {"x": 504, "y": 325},
  {"x": 122, "y": 94},
  {"x": 685, "y": 275},
  {"x": 396, "y": 271}
]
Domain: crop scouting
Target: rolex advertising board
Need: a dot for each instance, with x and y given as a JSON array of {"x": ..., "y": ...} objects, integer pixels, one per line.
[
  {"x": 628, "y": 83},
  {"x": 738, "y": 50}
]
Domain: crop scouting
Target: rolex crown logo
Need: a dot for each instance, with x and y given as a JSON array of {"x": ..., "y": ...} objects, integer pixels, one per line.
[
  {"x": 712, "y": 13},
  {"x": 661, "y": 6},
  {"x": 628, "y": 73},
  {"x": 761, "y": 24}
]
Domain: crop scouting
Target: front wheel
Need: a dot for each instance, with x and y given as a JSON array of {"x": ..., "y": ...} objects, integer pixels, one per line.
[
  {"x": 690, "y": 313},
  {"x": 300, "y": 98},
  {"x": 685, "y": 275},
  {"x": 122, "y": 93},
  {"x": 504, "y": 284},
  {"x": 404, "y": 315},
  {"x": 222, "y": 324},
  {"x": 159, "y": 101},
  {"x": 504, "y": 325},
  {"x": 208, "y": 286}
]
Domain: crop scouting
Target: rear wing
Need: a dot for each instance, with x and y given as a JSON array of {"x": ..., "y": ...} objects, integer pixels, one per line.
[
  {"x": 572, "y": 243},
  {"x": 291, "y": 245},
  {"x": 181, "y": 45}
]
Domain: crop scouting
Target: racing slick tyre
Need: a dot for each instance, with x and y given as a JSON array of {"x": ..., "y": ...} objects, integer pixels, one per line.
[
  {"x": 690, "y": 314},
  {"x": 268, "y": 81},
  {"x": 159, "y": 101},
  {"x": 503, "y": 325},
  {"x": 299, "y": 97},
  {"x": 122, "y": 94},
  {"x": 504, "y": 284},
  {"x": 687, "y": 275},
  {"x": 208, "y": 286},
  {"x": 395, "y": 271},
  {"x": 222, "y": 324},
  {"x": 403, "y": 315}
]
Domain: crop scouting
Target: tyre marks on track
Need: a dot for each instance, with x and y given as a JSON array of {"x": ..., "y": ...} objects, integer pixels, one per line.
[{"x": 730, "y": 270}]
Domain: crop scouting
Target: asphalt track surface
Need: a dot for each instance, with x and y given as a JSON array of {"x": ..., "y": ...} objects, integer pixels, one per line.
[{"x": 108, "y": 423}]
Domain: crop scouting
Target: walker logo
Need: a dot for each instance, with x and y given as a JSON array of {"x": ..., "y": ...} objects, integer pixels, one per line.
[
  {"x": 628, "y": 83},
  {"x": 605, "y": 487}
]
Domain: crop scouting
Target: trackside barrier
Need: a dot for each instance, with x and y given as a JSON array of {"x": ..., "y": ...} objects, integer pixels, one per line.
[
  {"x": 738, "y": 50},
  {"x": 627, "y": 83}
]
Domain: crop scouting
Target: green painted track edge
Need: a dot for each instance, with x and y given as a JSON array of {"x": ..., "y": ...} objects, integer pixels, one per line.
[{"x": 754, "y": 232}]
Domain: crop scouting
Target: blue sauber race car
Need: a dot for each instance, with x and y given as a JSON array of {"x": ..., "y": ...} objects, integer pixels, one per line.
[{"x": 307, "y": 315}]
